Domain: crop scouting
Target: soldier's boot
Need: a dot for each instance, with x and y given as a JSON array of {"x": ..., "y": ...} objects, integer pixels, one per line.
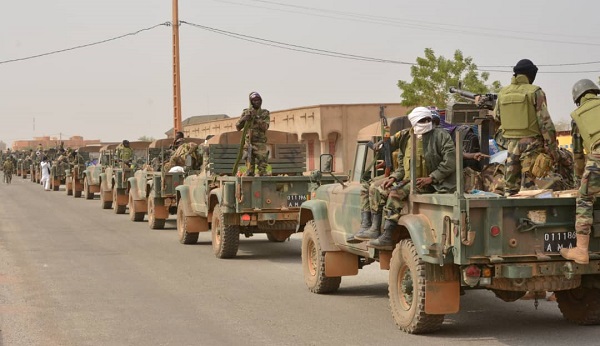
[
  {"x": 385, "y": 241},
  {"x": 365, "y": 224},
  {"x": 579, "y": 254},
  {"x": 372, "y": 232}
]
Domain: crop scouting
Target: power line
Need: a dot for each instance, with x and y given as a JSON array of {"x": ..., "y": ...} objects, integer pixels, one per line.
[
  {"x": 416, "y": 24},
  {"x": 334, "y": 54},
  {"x": 84, "y": 45}
]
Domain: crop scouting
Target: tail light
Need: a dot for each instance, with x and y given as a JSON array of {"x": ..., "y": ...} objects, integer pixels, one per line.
[
  {"x": 495, "y": 231},
  {"x": 245, "y": 220},
  {"x": 471, "y": 275}
]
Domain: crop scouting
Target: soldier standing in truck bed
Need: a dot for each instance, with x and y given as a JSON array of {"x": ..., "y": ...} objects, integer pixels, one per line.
[
  {"x": 587, "y": 118},
  {"x": 257, "y": 121},
  {"x": 526, "y": 125}
]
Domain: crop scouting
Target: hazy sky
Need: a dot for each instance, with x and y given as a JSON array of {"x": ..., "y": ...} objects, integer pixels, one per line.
[{"x": 123, "y": 88}]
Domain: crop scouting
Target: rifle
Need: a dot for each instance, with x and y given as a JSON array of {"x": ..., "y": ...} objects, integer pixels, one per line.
[
  {"x": 385, "y": 137},
  {"x": 485, "y": 101},
  {"x": 242, "y": 144}
]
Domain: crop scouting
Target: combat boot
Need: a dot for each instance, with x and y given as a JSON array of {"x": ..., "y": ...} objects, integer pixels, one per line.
[
  {"x": 385, "y": 241},
  {"x": 372, "y": 232},
  {"x": 365, "y": 224},
  {"x": 579, "y": 254}
]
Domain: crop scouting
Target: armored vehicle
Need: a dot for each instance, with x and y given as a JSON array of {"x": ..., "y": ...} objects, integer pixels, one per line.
[
  {"x": 213, "y": 199},
  {"x": 113, "y": 184},
  {"x": 446, "y": 244}
]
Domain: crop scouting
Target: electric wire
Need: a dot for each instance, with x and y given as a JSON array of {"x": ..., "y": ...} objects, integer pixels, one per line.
[
  {"x": 84, "y": 45},
  {"x": 315, "y": 51}
]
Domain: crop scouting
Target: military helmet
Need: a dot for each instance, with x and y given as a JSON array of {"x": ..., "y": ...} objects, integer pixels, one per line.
[{"x": 581, "y": 87}]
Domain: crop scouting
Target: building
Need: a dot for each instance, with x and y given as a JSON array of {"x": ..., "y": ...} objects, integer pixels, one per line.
[
  {"x": 324, "y": 129},
  {"x": 48, "y": 142}
]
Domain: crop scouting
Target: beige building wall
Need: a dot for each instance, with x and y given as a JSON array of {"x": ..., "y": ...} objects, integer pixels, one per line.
[
  {"x": 52, "y": 142},
  {"x": 324, "y": 129}
]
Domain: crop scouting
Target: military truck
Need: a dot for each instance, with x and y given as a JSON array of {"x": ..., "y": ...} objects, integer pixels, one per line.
[
  {"x": 76, "y": 173},
  {"x": 91, "y": 181},
  {"x": 113, "y": 180},
  {"x": 446, "y": 244},
  {"x": 24, "y": 166},
  {"x": 213, "y": 199},
  {"x": 152, "y": 191},
  {"x": 58, "y": 174}
]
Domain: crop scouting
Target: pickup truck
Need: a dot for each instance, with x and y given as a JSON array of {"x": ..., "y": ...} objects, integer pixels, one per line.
[
  {"x": 113, "y": 180},
  {"x": 214, "y": 199},
  {"x": 447, "y": 244},
  {"x": 152, "y": 192},
  {"x": 75, "y": 175}
]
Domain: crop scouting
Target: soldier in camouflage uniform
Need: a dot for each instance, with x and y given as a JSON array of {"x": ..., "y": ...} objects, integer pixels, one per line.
[
  {"x": 587, "y": 118},
  {"x": 526, "y": 125},
  {"x": 124, "y": 154},
  {"x": 435, "y": 169},
  {"x": 8, "y": 167},
  {"x": 256, "y": 121}
]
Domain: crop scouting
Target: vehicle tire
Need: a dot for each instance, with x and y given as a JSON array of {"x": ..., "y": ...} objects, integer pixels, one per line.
[
  {"x": 225, "y": 239},
  {"x": 103, "y": 202},
  {"x": 56, "y": 184},
  {"x": 133, "y": 214},
  {"x": 69, "y": 189},
  {"x": 407, "y": 291},
  {"x": 580, "y": 305},
  {"x": 153, "y": 222},
  {"x": 313, "y": 262},
  {"x": 86, "y": 190},
  {"x": 182, "y": 232},
  {"x": 118, "y": 209},
  {"x": 76, "y": 193}
]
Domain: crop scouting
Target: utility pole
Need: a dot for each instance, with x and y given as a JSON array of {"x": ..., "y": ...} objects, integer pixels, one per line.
[{"x": 176, "y": 78}]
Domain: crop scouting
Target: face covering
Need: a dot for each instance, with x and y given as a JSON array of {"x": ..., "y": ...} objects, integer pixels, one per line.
[{"x": 421, "y": 129}]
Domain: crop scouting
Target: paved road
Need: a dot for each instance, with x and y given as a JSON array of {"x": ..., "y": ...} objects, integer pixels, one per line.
[{"x": 74, "y": 274}]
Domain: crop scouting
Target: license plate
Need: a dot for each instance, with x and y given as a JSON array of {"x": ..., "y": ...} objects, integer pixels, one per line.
[
  {"x": 296, "y": 200},
  {"x": 553, "y": 242}
]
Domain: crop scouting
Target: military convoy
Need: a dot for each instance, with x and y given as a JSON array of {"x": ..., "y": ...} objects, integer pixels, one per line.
[
  {"x": 212, "y": 199},
  {"x": 75, "y": 176},
  {"x": 450, "y": 243}
]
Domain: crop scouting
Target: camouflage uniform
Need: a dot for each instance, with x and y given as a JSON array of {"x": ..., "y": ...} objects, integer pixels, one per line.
[
  {"x": 259, "y": 121},
  {"x": 438, "y": 152},
  {"x": 524, "y": 149},
  {"x": 124, "y": 154},
  {"x": 8, "y": 166},
  {"x": 578, "y": 153}
]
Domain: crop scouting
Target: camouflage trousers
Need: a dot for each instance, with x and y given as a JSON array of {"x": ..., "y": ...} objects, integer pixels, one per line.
[
  {"x": 395, "y": 202},
  {"x": 372, "y": 194},
  {"x": 522, "y": 153},
  {"x": 586, "y": 196},
  {"x": 259, "y": 159}
]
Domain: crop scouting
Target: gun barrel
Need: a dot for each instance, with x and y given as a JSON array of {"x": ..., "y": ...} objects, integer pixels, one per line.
[{"x": 466, "y": 94}]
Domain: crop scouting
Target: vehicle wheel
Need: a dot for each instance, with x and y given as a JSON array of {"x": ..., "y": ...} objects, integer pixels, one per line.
[
  {"x": 133, "y": 214},
  {"x": 103, "y": 202},
  {"x": 55, "y": 184},
  {"x": 580, "y": 305},
  {"x": 69, "y": 189},
  {"x": 118, "y": 209},
  {"x": 153, "y": 222},
  {"x": 407, "y": 291},
  {"x": 225, "y": 239},
  {"x": 184, "y": 236},
  {"x": 76, "y": 193},
  {"x": 313, "y": 262},
  {"x": 86, "y": 190}
]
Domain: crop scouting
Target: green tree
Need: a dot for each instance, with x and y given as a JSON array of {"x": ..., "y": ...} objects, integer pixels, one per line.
[
  {"x": 434, "y": 75},
  {"x": 146, "y": 139}
]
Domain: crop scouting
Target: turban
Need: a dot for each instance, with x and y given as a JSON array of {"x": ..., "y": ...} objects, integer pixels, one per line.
[
  {"x": 418, "y": 114},
  {"x": 255, "y": 95}
]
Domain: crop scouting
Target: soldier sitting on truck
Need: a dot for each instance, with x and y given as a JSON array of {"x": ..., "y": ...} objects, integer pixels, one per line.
[
  {"x": 124, "y": 154},
  {"x": 435, "y": 170},
  {"x": 179, "y": 156}
]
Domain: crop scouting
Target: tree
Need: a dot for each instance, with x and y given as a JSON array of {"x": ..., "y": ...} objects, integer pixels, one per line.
[
  {"x": 146, "y": 139},
  {"x": 433, "y": 76}
]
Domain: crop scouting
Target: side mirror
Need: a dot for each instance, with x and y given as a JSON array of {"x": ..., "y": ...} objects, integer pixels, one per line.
[{"x": 326, "y": 163}]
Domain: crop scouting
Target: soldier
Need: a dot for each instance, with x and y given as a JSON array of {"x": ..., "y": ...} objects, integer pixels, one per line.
[
  {"x": 435, "y": 170},
  {"x": 7, "y": 167},
  {"x": 255, "y": 121},
  {"x": 178, "y": 141},
  {"x": 587, "y": 118},
  {"x": 124, "y": 153},
  {"x": 526, "y": 125}
]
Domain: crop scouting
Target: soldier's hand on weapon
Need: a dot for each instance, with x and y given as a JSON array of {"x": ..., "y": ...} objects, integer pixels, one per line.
[
  {"x": 389, "y": 181},
  {"x": 422, "y": 182}
]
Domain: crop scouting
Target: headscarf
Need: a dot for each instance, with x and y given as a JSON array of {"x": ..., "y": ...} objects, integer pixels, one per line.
[{"x": 527, "y": 68}]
